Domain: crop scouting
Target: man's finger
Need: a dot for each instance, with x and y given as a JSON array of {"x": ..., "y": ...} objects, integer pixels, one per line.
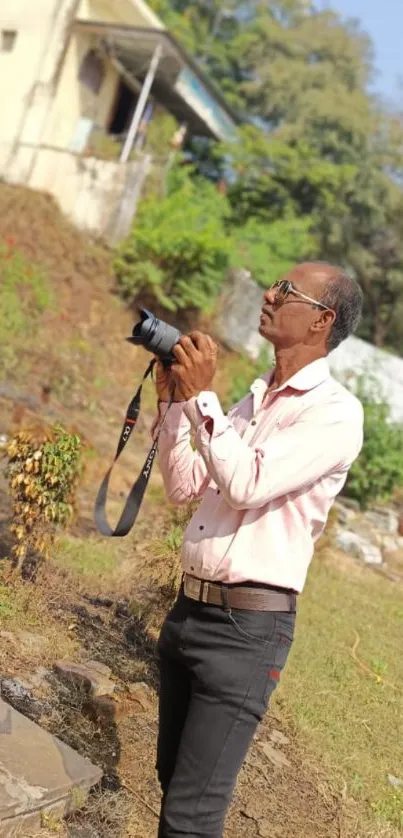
[
  {"x": 181, "y": 355},
  {"x": 202, "y": 341},
  {"x": 187, "y": 345}
]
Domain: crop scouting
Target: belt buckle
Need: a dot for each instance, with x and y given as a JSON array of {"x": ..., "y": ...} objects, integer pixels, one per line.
[
  {"x": 192, "y": 588},
  {"x": 205, "y": 592}
]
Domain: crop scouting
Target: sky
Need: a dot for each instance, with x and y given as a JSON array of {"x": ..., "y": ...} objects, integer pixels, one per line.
[{"x": 383, "y": 20}]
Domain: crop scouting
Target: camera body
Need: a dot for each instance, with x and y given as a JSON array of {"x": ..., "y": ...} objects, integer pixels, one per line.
[{"x": 155, "y": 335}]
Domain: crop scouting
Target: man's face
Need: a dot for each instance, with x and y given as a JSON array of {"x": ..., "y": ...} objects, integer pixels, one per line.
[{"x": 295, "y": 321}]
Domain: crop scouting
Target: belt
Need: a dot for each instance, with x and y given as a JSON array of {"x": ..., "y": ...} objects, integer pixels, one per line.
[{"x": 249, "y": 599}]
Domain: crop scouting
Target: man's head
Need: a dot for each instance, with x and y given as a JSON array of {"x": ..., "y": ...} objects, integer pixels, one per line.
[{"x": 316, "y": 306}]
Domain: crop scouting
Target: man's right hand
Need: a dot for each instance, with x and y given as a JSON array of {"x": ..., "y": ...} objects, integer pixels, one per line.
[{"x": 164, "y": 383}]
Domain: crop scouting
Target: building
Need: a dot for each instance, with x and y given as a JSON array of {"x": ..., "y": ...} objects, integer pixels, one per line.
[{"x": 74, "y": 72}]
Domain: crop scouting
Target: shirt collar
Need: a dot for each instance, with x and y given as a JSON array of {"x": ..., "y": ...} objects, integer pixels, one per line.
[{"x": 305, "y": 379}]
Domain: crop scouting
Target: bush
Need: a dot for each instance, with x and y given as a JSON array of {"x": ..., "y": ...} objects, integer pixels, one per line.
[
  {"x": 43, "y": 470},
  {"x": 379, "y": 468},
  {"x": 178, "y": 249}
]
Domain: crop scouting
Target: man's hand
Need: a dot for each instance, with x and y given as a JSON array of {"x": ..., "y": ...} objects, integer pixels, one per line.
[
  {"x": 195, "y": 366},
  {"x": 165, "y": 384}
]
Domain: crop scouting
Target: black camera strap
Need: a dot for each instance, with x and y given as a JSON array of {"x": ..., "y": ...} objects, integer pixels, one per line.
[{"x": 135, "y": 497}]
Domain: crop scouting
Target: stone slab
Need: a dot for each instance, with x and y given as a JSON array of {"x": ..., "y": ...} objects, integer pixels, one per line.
[{"x": 38, "y": 774}]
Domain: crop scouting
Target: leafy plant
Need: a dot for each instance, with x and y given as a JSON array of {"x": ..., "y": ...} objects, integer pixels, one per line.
[
  {"x": 379, "y": 469},
  {"x": 178, "y": 249},
  {"x": 43, "y": 470}
]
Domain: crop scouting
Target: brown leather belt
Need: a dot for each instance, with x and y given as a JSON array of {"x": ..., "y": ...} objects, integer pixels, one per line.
[{"x": 249, "y": 599}]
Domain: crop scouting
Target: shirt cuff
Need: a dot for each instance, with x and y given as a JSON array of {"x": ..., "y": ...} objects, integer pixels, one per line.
[{"x": 203, "y": 407}]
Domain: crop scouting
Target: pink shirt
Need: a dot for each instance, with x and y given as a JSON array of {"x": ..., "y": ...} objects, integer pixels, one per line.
[{"x": 267, "y": 475}]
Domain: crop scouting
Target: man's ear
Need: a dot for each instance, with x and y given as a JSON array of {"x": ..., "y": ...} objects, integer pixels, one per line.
[{"x": 324, "y": 321}]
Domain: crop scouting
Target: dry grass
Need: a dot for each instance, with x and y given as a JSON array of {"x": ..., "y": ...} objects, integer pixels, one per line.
[
  {"x": 25, "y": 608},
  {"x": 344, "y": 682}
]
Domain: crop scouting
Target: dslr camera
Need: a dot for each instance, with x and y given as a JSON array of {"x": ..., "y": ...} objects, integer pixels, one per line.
[{"x": 156, "y": 336}]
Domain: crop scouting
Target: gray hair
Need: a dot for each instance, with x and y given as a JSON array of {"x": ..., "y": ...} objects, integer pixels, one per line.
[{"x": 345, "y": 297}]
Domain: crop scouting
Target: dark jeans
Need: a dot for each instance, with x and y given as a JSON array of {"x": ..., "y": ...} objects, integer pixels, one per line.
[{"x": 218, "y": 671}]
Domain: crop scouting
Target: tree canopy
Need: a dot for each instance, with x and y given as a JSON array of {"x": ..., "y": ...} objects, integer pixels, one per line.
[{"x": 317, "y": 153}]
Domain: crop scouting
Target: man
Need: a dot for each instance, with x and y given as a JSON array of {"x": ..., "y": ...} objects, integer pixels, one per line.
[{"x": 267, "y": 475}]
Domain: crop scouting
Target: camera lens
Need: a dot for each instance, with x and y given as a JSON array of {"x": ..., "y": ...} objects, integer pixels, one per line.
[{"x": 155, "y": 335}]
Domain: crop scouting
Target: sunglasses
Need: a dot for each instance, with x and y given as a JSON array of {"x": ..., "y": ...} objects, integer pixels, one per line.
[{"x": 284, "y": 287}]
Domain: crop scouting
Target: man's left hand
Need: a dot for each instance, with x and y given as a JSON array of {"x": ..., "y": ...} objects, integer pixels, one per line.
[{"x": 195, "y": 366}]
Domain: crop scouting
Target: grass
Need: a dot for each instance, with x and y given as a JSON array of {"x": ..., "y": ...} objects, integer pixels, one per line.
[
  {"x": 88, "y": 559},
  {"x": 25, "y": 608},
  {"x": 25, "y": 294},
  {"x": 344, "y": 684}
]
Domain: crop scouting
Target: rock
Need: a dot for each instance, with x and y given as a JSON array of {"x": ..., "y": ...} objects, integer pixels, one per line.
[
  {"x": 354, "y": 357},
  {"x": 349, "y": 503},
  {"x": 389, "y": 544},
  {"x": 92, "y": 676},
  {"x": 35, "y": 680},
  {"x": 237, "y": 323},
  {"x": 278, "y": 738},
  {"x": 358, "y": 547},
  {"x": 344, "y": 514},
  {"x": 141, "y": 694},
  {"x": 102, "y": 710},
  {"x": 395, "y": 782},
  {"x": 39, "y": 775},
  {"x": 276, "y": 757},
  {"x": 383, "y": 519},
  {"x": 265, "y": 828}
]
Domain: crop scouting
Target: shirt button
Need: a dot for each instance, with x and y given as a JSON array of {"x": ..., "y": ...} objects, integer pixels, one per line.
[
  {"x": 204, "y": 404},
  {"x": 191, "y": 567},
  {"x": 201, "y": 527},
  {"x": 253, "y": 422},
  {"x": 218, "y": 491}
]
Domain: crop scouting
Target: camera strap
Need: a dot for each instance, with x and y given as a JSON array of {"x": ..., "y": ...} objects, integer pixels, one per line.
[{"x": 135, "y": 496}]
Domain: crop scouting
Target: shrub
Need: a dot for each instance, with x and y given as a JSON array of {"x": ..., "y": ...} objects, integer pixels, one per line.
[
  {"x": 43, "y": 470},
  {"x": 379, "y": 468},
  {"x": 178, "y": 249}
]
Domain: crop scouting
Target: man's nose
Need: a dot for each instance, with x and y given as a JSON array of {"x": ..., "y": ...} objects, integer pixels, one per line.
[{"x": 269, "y": 296}]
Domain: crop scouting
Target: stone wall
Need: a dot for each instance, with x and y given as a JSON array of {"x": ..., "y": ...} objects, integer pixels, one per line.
[{"x": 99, "y": 196}]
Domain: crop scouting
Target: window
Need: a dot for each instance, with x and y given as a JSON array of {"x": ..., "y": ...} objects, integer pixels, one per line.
[
  {"x": 7, "y": 40},
  {"x": 92, "y": 71}
]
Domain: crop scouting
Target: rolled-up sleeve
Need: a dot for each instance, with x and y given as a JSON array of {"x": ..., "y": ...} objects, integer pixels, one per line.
[{"x": 324, "y": 439}]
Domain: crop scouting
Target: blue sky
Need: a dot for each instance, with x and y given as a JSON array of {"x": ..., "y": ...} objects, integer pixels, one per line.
[{"x": 383, "y": 20}]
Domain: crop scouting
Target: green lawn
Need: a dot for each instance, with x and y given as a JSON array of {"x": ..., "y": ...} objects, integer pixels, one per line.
[{"x": 352, "y": 716}]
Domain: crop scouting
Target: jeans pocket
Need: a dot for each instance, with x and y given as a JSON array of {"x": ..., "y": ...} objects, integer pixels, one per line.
[{"x": 254, "y": 626}]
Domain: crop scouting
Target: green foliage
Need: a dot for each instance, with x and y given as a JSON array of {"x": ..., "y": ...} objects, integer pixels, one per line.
[
  {"x": 269, "y": 250},
  {"x": 25, "y": 294},
  {"x": 379, "y": 468},
  {"x": 43, "y": 470},
  {"x": 178, "y": 249},
  {"x": 315, "y": 146}
]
